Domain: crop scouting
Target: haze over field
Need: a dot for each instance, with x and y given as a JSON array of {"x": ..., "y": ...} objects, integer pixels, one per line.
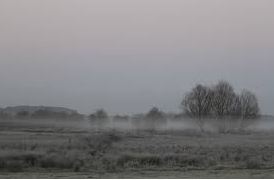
[{"x": 127, "y": 56}]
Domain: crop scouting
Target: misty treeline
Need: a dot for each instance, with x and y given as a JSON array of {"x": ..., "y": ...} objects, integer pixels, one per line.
[
  {"x": 202, "y": 104},
  {"x": 221, "y": 102},
  {"x": 40, "y": 114},
  {"x": 153, "y": 114}
]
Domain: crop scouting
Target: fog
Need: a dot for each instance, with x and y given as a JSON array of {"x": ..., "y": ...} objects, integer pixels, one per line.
[
  {"x": 127, "y": 56},
  {"x": 264, "y": 124},
  {"x": 211, "y": 125}
]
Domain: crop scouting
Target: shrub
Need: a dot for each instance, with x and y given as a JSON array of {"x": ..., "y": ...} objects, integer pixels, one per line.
[
  {"x": 253, "y": 164},
  {"x": 56, "y": 161},
  {"x": 134, "y": 160},
  {"x": 14, "y": 166}
]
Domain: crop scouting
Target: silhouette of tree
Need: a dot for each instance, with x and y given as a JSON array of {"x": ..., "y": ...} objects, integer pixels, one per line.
[
  {"x": 221, "y": 102},
  {"x": 23, "y": 114},
  {"x": 155, "y": 113},
  {"x": 155, "y": 118},
  {"x": 197, "y": 104},
  {"x": 99, "y": 118},
  {"x": 223, "y": 99},
  {"x": 249, "y": 106}
]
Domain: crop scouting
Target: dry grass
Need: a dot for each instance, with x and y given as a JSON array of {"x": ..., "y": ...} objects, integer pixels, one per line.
[{"x": 117, "y": 151}]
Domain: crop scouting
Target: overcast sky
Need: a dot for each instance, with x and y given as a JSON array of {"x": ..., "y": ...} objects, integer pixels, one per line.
[{"x": 129, "y": 55}]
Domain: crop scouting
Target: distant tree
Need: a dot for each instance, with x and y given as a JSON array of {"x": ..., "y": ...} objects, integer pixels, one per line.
[
  {"x": 249, "y": 106},
  {"x": 155, "y": 113},
  {"x": 197, "y": 104},
  {"x": 41, "y": 114},
  {"x": 59, "y": 115},
  {"x": 120, "y": 118},
  {"x": 101, "y": 114},
  {"x": 92, "y": 117},
  {"x": 137, "y": 117},
  {"x": 99, "y": 118},
  {"x": 155, "y": 118},
  {"x": 48, "y": 114},
  {"x": 76, "y": 116},
  {"x": 23, "y": 114}
]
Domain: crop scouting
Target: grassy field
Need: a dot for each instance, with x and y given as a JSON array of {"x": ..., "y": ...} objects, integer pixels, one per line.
[{"x": 50, "y": 149}]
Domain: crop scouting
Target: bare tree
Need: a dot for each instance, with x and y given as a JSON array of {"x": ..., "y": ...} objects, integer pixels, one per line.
[
  {"x": 197, "y": 104},
  {"x": 223, "y": 99},
  {"x": 249, "y": 106},
  {"x": 101, "y": 114},
  {"x": 23, "y": 115},
  {"x": 223, "y": 102},
  {"x": 236, "y": 109}
]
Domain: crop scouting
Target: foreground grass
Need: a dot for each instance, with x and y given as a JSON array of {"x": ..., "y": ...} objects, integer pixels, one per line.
[
  {"x": 136, "y": 174},
  {"x": 59, "y": 153}
]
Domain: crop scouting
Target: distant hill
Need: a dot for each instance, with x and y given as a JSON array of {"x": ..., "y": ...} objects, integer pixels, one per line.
[{"x": 32, "y": 109}]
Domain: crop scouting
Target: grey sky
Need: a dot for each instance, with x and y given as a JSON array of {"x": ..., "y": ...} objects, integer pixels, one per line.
[{"x": 129, "y": 55}]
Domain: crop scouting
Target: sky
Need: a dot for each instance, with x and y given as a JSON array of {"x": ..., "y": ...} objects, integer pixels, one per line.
[{"x": 127, "y": 56}]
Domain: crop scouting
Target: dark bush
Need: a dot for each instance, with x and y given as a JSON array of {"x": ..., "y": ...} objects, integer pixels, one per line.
[
  {"x": 56, "y": 161},
  {"x": 253, "y": 164}
]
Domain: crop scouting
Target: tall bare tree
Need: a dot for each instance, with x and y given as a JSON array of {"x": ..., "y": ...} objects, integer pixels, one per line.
[
  {"x": 197, "y": 104},
  {"x": 249, "y": 106},
  {"x": 223, "y": 103},
  {"x": 223, "y": 99},
  {"x": 236, "y": 109}
]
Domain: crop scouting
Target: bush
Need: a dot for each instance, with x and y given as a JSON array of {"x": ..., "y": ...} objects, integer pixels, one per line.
[
  {"x": 138, "y": 160},
  {"x": 185, "y": 161},
  {"x": 14, "y": 161},
  {"x": 100, "y": 143},
  {"x": 11, "y": 165},
  {"x": 57, "y": 161},
  {"x": 14, "y": 166},
  {"x": 253, "y": 164}
]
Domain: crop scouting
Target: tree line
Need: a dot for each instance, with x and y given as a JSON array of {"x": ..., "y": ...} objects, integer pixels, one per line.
[
  {"x": 202, "y": 103},
  {"x": 219, "y": 102},
  {"x": 40, "y": 114}
]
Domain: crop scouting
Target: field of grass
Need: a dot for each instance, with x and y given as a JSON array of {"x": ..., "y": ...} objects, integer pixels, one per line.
[{"x": 73, "y": 150}]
